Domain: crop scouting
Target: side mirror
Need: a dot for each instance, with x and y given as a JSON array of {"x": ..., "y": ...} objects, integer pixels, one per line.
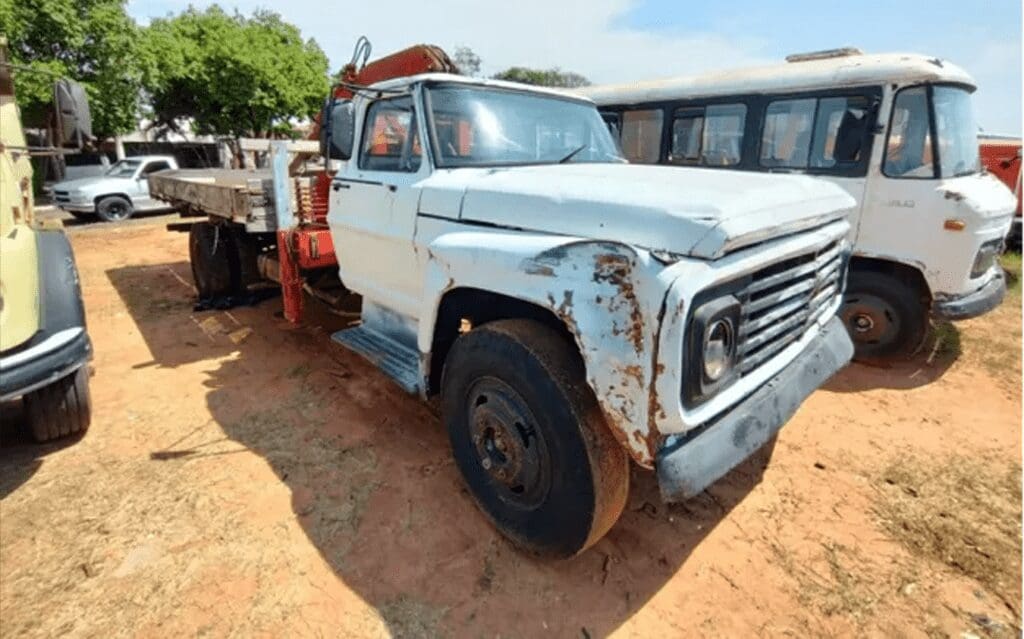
[
  {"x": 74, "y": 120},
  {"x": 337, "y": 129}
]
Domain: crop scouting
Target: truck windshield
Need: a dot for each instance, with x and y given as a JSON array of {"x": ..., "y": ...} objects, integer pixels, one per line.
[
  {"x": 483, "y": 126},
  {"x": 957, "y": 131},
  {"x": 124, "y": 168}
]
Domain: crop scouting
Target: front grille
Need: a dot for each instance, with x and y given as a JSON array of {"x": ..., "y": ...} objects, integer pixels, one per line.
[
  {"x": 782, "y": 300},
  {"x": 62, "y": 196}
]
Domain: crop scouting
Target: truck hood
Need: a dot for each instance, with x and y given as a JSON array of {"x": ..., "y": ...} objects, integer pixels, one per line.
[
  {"x": 95, "y": 183},
  {"x": 702, "y": 213}
]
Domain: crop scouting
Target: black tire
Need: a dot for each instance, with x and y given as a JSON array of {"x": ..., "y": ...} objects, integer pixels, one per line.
[
  {"x": 63, "y": 408},
  {"x": 529, "y": 439},
  {"x": 211, "y": 253},
  {"x": 885, "y": 315},
  {"x": 246, "y": 250},
  {"x": 114, "y": 208}
]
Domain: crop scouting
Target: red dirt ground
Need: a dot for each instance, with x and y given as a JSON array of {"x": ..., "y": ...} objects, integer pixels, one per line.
[{"x": 242, "y": 477}]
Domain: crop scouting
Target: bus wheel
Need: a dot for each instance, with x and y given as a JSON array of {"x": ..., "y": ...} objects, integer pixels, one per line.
[{"x": 884, "y": 316}]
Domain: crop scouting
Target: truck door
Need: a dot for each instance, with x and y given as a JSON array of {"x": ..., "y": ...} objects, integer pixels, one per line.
[
  {"x": 373, "y": 207},
  {"x": 141, "y": 195}
]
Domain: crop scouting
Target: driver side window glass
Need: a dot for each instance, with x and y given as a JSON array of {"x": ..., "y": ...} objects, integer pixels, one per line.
[
  {"x": 390, "y": 139},
  {"x": 908, "y": 152}
]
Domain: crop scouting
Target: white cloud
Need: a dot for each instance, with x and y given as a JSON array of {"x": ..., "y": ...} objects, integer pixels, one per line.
[
  {"x": 583, "y": 36},
  {"x": 574, "y": 35}
]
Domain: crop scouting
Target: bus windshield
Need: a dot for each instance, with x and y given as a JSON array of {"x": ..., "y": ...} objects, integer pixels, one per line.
[
  {"x": 956, "y": 130},
  {"x": 475, "y": 126},
  {"x": 910, "y": 152}
]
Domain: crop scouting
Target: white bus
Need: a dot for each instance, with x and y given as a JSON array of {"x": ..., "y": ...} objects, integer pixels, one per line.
[{"x": 896, "y": 130}]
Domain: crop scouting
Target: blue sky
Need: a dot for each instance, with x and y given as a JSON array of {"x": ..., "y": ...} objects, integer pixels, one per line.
[{"x": 624, "y": 40}]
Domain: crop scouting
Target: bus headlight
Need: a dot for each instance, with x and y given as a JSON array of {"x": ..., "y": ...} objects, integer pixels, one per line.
[{"x": 986, "y": 257}]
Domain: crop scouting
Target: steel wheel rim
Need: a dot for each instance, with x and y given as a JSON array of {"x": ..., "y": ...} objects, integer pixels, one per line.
[
  {"x": 117, "y": 210},
  {"x": 870, "y": 319},
  {"x": 508, "y": 445}
]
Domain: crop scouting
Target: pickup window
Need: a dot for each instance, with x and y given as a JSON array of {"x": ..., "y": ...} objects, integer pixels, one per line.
[
  {"x": 387, "y": 143},
  {"x": 153, "y": 167}
]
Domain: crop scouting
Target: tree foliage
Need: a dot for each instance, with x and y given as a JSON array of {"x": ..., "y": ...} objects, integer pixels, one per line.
[
  {"x": 91, "y": 41},
  {"x": 543, "y": 77},
  {"x": 231, "y": 74}
]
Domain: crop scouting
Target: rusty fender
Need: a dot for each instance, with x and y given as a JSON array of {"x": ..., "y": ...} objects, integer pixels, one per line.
[{"x": 607, "y": 295}]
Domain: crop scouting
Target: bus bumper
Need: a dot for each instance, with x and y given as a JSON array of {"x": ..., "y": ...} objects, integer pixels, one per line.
[{"x": 972, "y": 304}]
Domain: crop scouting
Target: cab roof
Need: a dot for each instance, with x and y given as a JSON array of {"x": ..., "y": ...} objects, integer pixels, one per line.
[
  {"x": 837, "y": 71},
  {"x": 409, "y": 81}
]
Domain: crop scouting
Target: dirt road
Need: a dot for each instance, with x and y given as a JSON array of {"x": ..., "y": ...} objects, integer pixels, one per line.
[{"x": 243, "y": 477}]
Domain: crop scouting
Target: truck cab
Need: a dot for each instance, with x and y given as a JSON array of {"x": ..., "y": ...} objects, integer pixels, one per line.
[
  {"x": 117, "y": 194},
  {"x": 572, "y": 311}
]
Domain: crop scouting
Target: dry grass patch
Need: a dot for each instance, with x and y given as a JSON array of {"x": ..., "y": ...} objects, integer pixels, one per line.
[{"x": 962, "y": 512}]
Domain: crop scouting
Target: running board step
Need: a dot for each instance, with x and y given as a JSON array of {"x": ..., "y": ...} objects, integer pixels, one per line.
[{"x": 397, "y": 361}]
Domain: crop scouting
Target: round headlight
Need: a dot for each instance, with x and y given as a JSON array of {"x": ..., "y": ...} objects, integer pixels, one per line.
[{"x": 719, "y": 342}]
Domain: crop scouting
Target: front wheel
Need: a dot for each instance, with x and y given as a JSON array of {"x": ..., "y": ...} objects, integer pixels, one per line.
[
  {"x": 884, "y": 315},
  {"x": 60, "y": 409},
  {"x": 114, "y": 208},
  {"x": 529, "y": 439}
]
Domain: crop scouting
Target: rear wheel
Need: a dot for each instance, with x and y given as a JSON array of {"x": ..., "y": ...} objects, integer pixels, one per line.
[
  {"x": 529, "y": 438},
  {"x": 884, "y": 315},
  {"x": 60, "y": 409},
  {"x": 114, "y": 208},
  {"x": 213, "y": 262}
]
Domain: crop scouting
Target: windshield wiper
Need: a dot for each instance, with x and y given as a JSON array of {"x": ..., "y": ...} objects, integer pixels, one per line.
[{"x": 572, "y": 154}]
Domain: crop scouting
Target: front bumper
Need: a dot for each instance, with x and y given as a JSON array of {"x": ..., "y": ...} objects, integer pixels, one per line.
[
  {"x": 78, "y": 207},
  {"x": 973, "y": 304},
  {"x": 39, "y": 365},
  {"x": 691, "y": 462}
]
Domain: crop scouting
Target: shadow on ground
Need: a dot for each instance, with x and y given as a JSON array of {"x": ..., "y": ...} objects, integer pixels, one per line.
[
  {"x": 20, "y": 455},
  {"x": 375, "y": 490},
  {"x": 940, "y": 350}
]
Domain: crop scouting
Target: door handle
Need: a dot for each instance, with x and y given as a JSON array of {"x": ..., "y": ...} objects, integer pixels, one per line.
[
  {"x": 337, "y": 186},
  {"x": 391, "y": 187}
]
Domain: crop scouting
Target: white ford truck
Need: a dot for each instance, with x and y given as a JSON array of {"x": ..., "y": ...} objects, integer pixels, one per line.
[
  {"x": 574, "y": 311},
  {"x": 571, "y": 310}
]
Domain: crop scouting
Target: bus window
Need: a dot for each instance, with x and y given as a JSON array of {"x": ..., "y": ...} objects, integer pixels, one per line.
[
  {"x": 908, "y": 152},
  {"x": 641, "y": 136},
  {"x": 723, "y": 134},
  {"x": 687, "y": 132},
  {"x": 839, "y": 130},
  {"x": 786, "y": 137}
]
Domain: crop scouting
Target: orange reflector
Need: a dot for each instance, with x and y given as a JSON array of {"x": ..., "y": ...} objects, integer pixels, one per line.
[{"x": 954, "y": 225}]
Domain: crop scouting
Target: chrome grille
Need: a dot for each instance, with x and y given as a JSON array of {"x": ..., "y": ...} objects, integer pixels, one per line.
[{"x": 782, "y": 300}]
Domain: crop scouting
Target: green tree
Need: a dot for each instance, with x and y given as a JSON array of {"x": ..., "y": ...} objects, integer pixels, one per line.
[
  {"x": 231, "y": 74},
  {"x": 543, "y": 77},
  {"x": 91, "y": 41}
]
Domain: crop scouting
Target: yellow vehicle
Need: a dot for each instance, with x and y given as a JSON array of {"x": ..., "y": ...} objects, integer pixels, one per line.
[{"x": 44, "y": 347}]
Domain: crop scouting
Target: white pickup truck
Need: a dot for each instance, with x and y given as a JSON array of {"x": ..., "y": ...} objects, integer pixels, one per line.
[
  {"x": 116, "y": 195},
  {"x": 571, "y": 310}
]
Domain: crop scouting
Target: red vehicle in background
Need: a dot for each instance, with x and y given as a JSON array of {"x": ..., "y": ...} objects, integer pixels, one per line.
[{"x": 1001, "y": 158}]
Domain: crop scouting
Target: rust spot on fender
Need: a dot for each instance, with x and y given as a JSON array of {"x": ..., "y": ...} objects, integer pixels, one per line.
[{"x": 614, "y": 269}]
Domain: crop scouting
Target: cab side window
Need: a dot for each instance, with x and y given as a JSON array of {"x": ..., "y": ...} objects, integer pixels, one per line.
[
  {"x": 908, "y": 152},
  {"x": 390, "y": 138},
  {"x": 153, "y": 167}
]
